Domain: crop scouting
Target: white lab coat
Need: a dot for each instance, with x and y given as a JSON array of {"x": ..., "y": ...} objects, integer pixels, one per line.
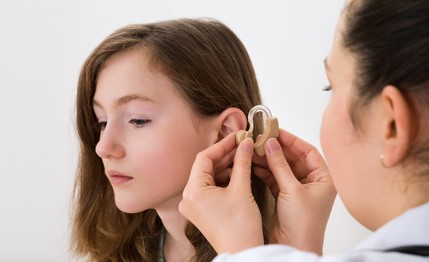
[{"x": 410, "y": 228}]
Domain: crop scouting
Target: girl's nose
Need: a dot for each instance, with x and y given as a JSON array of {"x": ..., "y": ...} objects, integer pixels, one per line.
[{"x": 109, "y": 146}]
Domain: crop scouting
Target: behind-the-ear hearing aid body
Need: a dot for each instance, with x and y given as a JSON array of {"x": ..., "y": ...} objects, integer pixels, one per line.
[{"x": 271, "y": 129}]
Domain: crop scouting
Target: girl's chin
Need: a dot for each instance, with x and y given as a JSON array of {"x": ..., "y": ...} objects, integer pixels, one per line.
[{"x": 130, "y": 207}]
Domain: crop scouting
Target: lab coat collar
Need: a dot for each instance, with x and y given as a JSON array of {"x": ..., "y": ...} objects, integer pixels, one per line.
[{"x": 410, "y": 228}]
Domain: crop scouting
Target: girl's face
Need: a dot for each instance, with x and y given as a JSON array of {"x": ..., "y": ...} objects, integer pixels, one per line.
[
  {"x": 352, "y": 152},
  {"x": 149, "y": 134}
]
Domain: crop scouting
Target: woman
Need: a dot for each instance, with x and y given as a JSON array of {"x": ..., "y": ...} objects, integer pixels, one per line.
[{"x": 375, "y": 136}]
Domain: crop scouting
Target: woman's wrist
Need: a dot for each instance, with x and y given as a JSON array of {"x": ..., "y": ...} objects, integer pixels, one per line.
[
  {"x": 239, "y": 243},
  {"x": 312, "y": 243}
]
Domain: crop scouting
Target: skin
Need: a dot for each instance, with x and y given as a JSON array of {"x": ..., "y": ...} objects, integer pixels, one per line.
[
  {"x": 210, "y": 168},
  {"x": 149, "y": 139},
  {"x": 299, "y": 177},
  {"x": 385, "y": 128},
  {"x": 346, "y": 148},
  {"x": 239, "y": 232}
]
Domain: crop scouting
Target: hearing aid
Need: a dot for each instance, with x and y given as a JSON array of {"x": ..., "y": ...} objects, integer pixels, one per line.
[{"x": 271, "y": 129}]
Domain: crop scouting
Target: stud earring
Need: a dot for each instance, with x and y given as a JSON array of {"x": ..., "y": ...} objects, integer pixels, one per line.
[{"x": 382, "y": 160}]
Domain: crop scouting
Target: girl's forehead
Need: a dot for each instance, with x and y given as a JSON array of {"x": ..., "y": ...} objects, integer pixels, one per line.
[{"x": 129, "y": 76}]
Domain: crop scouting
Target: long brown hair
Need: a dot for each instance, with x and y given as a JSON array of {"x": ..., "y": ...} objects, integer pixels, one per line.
[{"x": 212, "y": 71}]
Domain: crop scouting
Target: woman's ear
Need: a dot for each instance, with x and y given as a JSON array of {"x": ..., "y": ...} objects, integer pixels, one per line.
[
  {"x": 397, "y": 126},
  {"x": 230, "y": 120}
]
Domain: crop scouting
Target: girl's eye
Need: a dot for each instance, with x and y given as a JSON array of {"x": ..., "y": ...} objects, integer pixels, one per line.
[
  {"x": 139, "y": 122},
  {"x": 327, "y": 88},
  {"x": 101, "y": 125}
]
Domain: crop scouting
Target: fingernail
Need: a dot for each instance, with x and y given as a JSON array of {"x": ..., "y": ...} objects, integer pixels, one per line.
[
  {"x": 272, "y": 146},
  {"x": 247, "y": 145}
]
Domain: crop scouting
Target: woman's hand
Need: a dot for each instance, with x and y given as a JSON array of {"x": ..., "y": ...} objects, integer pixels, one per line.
[
  {"x": 300, "y": 182},
  {"x": 228, "y": 216}
]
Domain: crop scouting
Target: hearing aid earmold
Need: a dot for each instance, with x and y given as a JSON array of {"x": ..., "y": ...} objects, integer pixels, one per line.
[{"x": 271, "y": 129}]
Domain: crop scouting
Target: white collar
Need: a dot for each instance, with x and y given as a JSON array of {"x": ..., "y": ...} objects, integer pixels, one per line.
[{"x": 410, "y": 228}]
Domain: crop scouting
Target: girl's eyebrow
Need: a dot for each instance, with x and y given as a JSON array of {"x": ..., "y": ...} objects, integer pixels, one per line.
[
  {"x": 129, "y": 98},
  {"x": 124, "y": 100}
]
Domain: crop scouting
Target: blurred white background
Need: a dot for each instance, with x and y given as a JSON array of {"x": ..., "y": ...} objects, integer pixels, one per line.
[{"x": 42, "y": 47}]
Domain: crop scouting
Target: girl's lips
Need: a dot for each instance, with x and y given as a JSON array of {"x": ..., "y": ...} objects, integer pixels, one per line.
[{"x": 117, "y": 178}]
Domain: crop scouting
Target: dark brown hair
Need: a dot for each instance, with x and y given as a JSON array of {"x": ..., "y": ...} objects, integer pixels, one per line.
[
  {"x": 390, "y": 41},
  {"x": 212, "y": 71}
]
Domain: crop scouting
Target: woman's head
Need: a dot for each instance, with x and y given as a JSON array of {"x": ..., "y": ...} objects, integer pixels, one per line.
[
  {"x": 378, "y": 68},
  {"x": 160, "y": 93}
]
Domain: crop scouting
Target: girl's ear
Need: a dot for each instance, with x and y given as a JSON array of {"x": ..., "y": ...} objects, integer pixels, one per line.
[
  {"x": 230, "y": 120},
  {"x": 398, "y": 126}
]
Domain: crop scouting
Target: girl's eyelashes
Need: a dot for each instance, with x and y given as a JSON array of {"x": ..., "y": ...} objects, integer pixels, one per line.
[
  {"x": 327, "y": 88},
  {"x": 100, "y": 125},
  {"x": 139, "y": 122}
]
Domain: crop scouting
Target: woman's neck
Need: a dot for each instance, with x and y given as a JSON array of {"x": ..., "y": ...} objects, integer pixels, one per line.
[
  {"x": 176, "y": 245},
  {"x": 402, "y": 192}
]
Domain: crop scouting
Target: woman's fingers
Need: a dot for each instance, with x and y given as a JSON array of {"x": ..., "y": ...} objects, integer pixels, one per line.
[
  {"x": 242, "y": 164},
  {"x": 279, "y": 166},
  {"x": 225, "y": 162},
  {"x": 267, "y": 177},
  {"x": 303, "y": 157},
  {"x": 221, "y": 213},
  {"x": 260, "y": 160},
  {"x": 207, "y": 160},
  {"x": 223, "y": 177}
]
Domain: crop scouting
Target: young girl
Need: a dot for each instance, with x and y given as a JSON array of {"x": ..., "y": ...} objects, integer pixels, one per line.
[{"x": 150, "y": 97}]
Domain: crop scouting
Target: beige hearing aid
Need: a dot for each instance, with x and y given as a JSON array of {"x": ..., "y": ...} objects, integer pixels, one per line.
[{"x": 271, "y": 129}]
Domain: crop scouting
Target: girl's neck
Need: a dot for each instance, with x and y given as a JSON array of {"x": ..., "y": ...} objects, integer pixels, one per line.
[{"x": 176, "y": 245}]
